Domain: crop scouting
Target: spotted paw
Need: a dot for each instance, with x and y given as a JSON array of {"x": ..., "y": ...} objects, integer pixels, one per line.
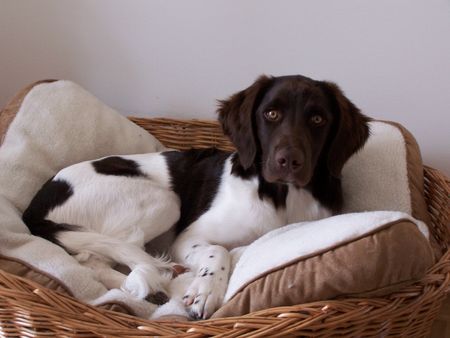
[{"x": 205, "y": 294}]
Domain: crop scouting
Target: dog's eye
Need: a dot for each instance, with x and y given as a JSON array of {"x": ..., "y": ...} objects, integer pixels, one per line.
[
  {"x": 317, "y": 120},
  {"x": 272, "y": 115}
]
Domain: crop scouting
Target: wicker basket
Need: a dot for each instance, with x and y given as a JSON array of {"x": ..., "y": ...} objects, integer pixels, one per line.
[{"x": 28, "y": 309}]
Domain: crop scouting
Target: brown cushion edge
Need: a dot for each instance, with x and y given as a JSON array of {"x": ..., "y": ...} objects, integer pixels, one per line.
[
  {"x": 317, "y": 253},
  {"x": 244, "y": 301}
]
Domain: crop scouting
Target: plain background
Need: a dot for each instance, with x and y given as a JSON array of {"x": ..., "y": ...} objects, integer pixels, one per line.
[{"x": 175, "y": 58}]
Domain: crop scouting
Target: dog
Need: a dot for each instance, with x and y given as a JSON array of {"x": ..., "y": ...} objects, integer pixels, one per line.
[{"x": 292, "y": 136}]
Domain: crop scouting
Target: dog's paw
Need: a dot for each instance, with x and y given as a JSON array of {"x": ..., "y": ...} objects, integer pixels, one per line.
[
  {"x": 205, "y": 294},
  {"x": 145, "y": 280}
]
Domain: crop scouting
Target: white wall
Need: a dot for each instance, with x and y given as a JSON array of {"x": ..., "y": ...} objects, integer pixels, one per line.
[{"x": 174, "y": 58}]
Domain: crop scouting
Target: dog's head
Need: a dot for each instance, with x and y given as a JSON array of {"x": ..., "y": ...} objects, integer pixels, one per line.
[{"x": 287, "y": 125}]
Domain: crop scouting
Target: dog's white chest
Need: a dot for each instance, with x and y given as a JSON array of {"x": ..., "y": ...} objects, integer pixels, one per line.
[
  {"x": 238, "y": 215},
  {"x": 302, "y": 206}
]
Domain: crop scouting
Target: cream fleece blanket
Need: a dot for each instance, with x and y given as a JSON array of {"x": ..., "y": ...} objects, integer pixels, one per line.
[{"x": 60, "y": 124}]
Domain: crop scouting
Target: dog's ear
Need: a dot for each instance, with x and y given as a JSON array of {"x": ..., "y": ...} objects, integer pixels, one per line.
[
  {"x": 236, "y": 118},
  {"x": 351, "y": 130}
]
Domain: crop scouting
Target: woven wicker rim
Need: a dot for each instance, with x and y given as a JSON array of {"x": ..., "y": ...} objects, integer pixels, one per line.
[{"x": 28, "y": 309}]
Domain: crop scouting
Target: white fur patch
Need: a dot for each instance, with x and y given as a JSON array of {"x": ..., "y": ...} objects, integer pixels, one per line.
[
  {"x": 238, "y": 216},
  {"x": 134, "y": 210}
]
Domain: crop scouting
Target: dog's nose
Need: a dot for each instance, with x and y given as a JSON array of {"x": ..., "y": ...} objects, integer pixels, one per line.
[{"x": 288, "y": 160}]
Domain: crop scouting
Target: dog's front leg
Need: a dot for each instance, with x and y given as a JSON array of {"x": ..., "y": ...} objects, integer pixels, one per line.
[{"x": 210, "y": 265}]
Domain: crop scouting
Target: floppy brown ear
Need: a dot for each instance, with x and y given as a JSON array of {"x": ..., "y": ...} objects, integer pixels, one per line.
[
  {"x": 351, "y": 132},
  {"x": 235, "y": 115}
]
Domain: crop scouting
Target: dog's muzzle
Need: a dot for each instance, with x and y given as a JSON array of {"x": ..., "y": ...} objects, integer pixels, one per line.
[{"x": 286, "y": 165}]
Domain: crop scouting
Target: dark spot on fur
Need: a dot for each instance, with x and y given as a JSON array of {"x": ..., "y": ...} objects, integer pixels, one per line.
[
  {"x": 185, "y": 296},
  {"x": 276, "y": 192},
  {"x": 158, "y": 298},
  {"x": 203, "y": 272},
  {"x": 197, "y": 301},
  {"x": 195, "y": 178},
  {"x": 211, "y": 256},
  {"x": 211, "y": 273},
  {"x": 117, "y": 166},
  {"x": 52, "y": 194},
  {"x": 194, "y": 246},
  {"x": 222, "y": 268}
]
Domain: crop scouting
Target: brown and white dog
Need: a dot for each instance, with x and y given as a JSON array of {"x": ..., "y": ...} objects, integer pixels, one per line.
[{"x": 292, "y": 135}]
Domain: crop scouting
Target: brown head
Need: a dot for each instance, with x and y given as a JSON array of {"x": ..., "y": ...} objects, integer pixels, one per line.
[{"x": 287, "y": 125}]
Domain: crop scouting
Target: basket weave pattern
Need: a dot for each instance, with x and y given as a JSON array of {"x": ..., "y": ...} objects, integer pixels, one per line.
[{"x": 27, "y": 309}]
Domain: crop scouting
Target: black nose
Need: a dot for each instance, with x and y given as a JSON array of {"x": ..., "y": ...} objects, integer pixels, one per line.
[{"x": 288, "y": 159}]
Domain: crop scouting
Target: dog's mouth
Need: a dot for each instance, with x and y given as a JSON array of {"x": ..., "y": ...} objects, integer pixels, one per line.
[
  {"x": 298, "y": 179},
  {"x": 288, "y": 180}
]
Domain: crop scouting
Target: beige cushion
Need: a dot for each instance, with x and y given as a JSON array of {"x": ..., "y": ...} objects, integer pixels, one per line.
[
  {"x": 387, "y": 174},
  {"x": 379, "y": 262}
]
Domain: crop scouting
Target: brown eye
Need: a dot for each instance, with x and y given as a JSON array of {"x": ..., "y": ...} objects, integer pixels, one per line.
[
  {"x": 272, "y": 115},
  {"x": 317, "y": 120}
]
